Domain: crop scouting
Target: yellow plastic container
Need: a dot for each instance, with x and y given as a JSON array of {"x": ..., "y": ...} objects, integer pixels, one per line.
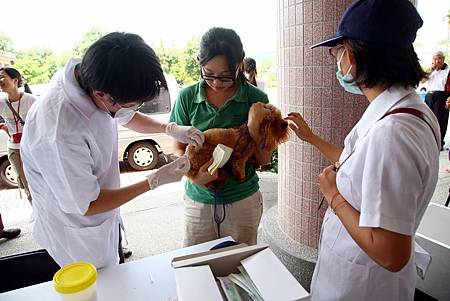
[{"x": 76, "y": 282}]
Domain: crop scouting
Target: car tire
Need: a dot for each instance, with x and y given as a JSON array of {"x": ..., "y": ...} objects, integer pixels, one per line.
[
  {"x": 143, "y": 156},
  {"x": 8, "y": 175}
]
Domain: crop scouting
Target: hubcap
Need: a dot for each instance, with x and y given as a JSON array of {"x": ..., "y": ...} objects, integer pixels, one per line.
[
  {"x": 143, "y": 156},
  {"x": 11, "y": 174}
]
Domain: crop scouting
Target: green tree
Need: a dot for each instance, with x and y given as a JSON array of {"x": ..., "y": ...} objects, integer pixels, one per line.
[
  {"x": 180, "y": 62},
  {"x": 37, "y": 65},
  {"x": 6, "y": 43},
  {"x": 88, "y": 39},
  {"x": 190, "y": 59},
  {"x": 447, "y": 42},
  {"x": 267, "y": 71}
]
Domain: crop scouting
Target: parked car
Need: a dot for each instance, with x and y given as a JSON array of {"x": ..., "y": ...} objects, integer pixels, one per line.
[
  {"x": 7, "y": 173},
  {"x": 142, "y": 151}
]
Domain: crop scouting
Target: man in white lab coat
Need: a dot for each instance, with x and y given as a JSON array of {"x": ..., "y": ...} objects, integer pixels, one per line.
[{"x": 70, "y": 148}]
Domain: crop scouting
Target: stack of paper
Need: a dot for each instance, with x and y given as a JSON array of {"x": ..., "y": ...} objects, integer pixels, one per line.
[
  {"x": 239, "y": 287},
  {"x": 221, "y": 155}
]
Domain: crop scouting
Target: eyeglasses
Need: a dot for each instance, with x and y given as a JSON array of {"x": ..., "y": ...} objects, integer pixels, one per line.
[
  {"x": 135, "y": 106},
  {"x": 224, "y": 79},
  {"x": 333, "y": 51}
]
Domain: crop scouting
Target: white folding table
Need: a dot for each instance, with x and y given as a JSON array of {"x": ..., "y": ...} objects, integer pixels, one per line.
[{"x": 150, "y": 278}]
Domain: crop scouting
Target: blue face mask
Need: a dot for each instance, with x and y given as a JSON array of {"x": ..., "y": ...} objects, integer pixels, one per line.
[{"x": 345, "y": 80}]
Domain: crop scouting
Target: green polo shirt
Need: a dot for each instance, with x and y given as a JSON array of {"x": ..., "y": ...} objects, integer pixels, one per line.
[{"x": 192, "y": 108}]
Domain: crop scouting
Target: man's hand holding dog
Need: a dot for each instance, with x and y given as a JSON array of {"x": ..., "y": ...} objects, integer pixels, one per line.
[
  {"x": 300, "y": 127},
  {"x": 203, "y": 176},
  {"x": 185, "y": 134}
]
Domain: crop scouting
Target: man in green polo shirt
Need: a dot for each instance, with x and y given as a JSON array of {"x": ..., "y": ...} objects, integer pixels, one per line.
[{"x": 222, "y": 99}]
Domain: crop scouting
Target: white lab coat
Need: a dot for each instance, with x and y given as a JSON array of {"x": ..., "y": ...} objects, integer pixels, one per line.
[
  {"x": 69, "y": 151},
  {"x": 389, "y": 179}
]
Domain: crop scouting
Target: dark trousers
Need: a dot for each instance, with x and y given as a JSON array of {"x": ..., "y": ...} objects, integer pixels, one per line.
[
  {"x": 436, "y": 102},
  {"x": 121, "y": 257}
]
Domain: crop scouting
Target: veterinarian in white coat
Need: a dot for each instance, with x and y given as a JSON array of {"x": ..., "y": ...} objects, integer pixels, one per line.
[
  {"x": 387, "y": 171},
  {"x": 70, "y": 148}
]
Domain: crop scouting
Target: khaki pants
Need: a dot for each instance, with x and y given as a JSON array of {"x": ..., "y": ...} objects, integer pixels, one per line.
[
  {"x": 241, "y": 220},
  {"x": 16, "y": 162}
]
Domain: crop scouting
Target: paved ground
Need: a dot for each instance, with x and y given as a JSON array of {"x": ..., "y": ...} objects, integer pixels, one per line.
[{"x": 153, "y": 220}]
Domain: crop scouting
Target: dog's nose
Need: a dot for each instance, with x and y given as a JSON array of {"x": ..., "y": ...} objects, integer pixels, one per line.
[{"x": 284, "y": 125}]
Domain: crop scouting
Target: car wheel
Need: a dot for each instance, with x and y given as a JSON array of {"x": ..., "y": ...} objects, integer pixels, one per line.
[
  {"x": 143, "y": 156},
  {"x": 8, "y": 174}
]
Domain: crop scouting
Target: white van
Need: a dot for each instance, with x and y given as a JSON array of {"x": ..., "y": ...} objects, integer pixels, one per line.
[{"x": 142, "y": 151}]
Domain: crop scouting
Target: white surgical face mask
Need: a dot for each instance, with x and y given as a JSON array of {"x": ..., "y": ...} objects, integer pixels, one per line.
[{"x": 345, "y": 80}]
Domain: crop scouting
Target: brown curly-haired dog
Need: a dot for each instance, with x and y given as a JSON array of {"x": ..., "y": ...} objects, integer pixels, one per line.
[{"x": 265, "y": 129}]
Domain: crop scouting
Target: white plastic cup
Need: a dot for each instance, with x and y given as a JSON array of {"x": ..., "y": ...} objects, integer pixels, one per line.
[{"x": 76, "y": 282}]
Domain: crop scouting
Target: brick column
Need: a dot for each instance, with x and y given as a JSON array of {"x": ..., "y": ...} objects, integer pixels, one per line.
[{"x": 307, "y": 84}]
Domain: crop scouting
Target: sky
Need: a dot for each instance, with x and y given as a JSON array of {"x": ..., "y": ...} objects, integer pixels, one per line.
[
  {"x": 434, "y": 29},
  {"x": 59, "y": 25}
]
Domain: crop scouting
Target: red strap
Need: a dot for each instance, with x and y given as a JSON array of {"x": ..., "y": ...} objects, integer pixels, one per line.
[
  {"x": 447, "y": 84},
  {"x": 16, "y": 119}
]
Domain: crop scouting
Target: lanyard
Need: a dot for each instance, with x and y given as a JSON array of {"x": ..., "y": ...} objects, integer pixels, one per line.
[{"x": 16, "y": 119}]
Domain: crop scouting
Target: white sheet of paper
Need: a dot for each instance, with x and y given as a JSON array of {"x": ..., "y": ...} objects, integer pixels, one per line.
[
  {"x": 273, "y": 280},
  {"x": 196, "y": 283}
]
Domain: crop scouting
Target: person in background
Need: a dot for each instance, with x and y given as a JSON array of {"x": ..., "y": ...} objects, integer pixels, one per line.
[
  {"x": 251, "y": 74},
  {"x": 70, "y": 148},
  {"x": 26, "y": 88},
  {"x": 423, "y": 93},
  {"x": 222, "y": 99},
  {"x": 14, "y": 108},
  {"x": 438, "y": 85},
  {"x": 384, "y": 178}
]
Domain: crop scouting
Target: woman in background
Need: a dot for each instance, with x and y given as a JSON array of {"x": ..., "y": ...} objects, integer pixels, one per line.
[
  {"x": 13, "y": 109},
  {"x": 251, "y": 73}
]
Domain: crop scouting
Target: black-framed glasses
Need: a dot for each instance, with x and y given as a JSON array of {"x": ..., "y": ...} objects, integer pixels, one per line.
[
  {"x": 224, "y": 79},
  {"x": 333, "y": 51}
]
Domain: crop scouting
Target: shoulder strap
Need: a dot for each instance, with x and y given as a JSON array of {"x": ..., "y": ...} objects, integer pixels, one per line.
[
  {"x": 417, "y": 113},
  {"x": 8, "y": 103}
]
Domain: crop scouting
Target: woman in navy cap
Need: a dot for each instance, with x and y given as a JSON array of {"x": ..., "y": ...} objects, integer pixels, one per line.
[{"x": 384, "y": 177}]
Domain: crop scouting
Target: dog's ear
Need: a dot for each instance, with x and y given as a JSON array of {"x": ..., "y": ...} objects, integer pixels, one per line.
[
  {"x": 268, "y": 140},
  {"x": 256, "y": 116},
  {"x": 274, "y": 130}
]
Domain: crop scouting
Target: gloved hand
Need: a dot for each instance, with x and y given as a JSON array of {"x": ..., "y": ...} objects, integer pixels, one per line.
[
  {"x": 185, "y": 134},
  {"x": 172, "y": 172}
]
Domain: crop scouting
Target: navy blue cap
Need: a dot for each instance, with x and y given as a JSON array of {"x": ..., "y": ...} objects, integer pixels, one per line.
[{"x": 393, "y": 22}]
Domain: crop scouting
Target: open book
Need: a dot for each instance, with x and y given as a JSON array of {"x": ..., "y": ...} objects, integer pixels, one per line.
[{"x": 221, "y": 155}]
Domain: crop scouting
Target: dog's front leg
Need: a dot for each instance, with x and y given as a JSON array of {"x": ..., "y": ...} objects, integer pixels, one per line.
[{"x": 239, "y": 167}]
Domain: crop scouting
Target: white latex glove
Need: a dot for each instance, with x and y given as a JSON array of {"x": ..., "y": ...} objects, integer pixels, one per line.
[
  {"x": 185, "y": 134},
  {"x": 172, "y": 172}
]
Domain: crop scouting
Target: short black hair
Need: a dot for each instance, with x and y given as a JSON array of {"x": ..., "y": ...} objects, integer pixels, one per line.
[
  {"x": 124, "y": 66},
  {"x": 222, "y": 41},
  {"x": 14, "y": 74},
  {"x": 385, "y": 64}
]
